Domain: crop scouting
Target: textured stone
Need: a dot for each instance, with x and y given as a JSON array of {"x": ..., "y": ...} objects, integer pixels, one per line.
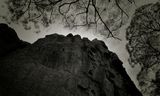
[
  {"x": 64, "y": 66},
  {"x": 9, "y": 40}
]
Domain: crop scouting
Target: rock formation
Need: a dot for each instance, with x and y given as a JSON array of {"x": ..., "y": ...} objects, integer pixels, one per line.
[
  {"x": 64, "y": 66},
  {"x": 9, "y": 40}
]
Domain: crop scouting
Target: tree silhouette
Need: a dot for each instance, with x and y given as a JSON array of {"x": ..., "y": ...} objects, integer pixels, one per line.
[
  {"x": 100, "y": 14},
  {"x": 143, "y": 35}
]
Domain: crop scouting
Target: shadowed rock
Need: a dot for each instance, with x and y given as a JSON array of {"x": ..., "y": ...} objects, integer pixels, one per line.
[
  {"x": 60, "y": 65},
  {"x": 9, "y": 40}
]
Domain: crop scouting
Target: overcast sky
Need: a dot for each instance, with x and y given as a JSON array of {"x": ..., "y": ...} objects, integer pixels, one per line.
[{"x": 119, "y": 47}]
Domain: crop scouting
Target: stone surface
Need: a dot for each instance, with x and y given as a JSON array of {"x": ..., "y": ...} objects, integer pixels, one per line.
[
  {"x": 9, "y": 40},
  {"x": 64, "y": 66}
]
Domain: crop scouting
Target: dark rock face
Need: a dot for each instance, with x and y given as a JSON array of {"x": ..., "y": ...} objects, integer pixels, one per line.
[
  {"x": 64, "y": 66},
  {"x": 9, "y": 40}
]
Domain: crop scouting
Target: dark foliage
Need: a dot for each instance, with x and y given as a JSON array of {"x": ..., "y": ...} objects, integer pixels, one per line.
[{"x": 143, "y": 35}]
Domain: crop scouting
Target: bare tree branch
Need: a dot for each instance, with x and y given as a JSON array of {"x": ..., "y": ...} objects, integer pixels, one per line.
[{"x": 86, "y": 11}]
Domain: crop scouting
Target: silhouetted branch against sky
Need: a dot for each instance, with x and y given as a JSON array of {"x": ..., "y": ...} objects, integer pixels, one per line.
[{"x": 97, "y": 14}]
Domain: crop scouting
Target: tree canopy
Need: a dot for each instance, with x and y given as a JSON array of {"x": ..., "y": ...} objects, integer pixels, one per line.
[
  {"x": 143, "y": 35},
  {"x": 103, "y": 15}
]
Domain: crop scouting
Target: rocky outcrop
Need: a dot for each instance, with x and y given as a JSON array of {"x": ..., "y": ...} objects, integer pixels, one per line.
[
  {"x": 64, "y": 66},
  {"x": 9, "y": 40}
]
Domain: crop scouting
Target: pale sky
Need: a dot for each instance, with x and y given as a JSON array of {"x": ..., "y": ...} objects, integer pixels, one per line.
[{"x": 119, "y": 47}]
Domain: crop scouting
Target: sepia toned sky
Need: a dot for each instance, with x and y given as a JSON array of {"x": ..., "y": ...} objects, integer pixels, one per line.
[{"x": 119, "y": 47}]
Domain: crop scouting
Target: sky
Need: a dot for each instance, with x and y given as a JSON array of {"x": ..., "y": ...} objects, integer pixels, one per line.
[{"x": 119, "y": 47}]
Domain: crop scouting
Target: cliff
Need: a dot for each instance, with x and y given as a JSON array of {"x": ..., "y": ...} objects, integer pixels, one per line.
[
  {"x": 9, "y": 40},
  {"x": 64, "y": 66}
]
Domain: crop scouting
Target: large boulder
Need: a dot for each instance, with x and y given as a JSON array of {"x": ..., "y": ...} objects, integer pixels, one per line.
[{"x": 64, "y": 66}]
